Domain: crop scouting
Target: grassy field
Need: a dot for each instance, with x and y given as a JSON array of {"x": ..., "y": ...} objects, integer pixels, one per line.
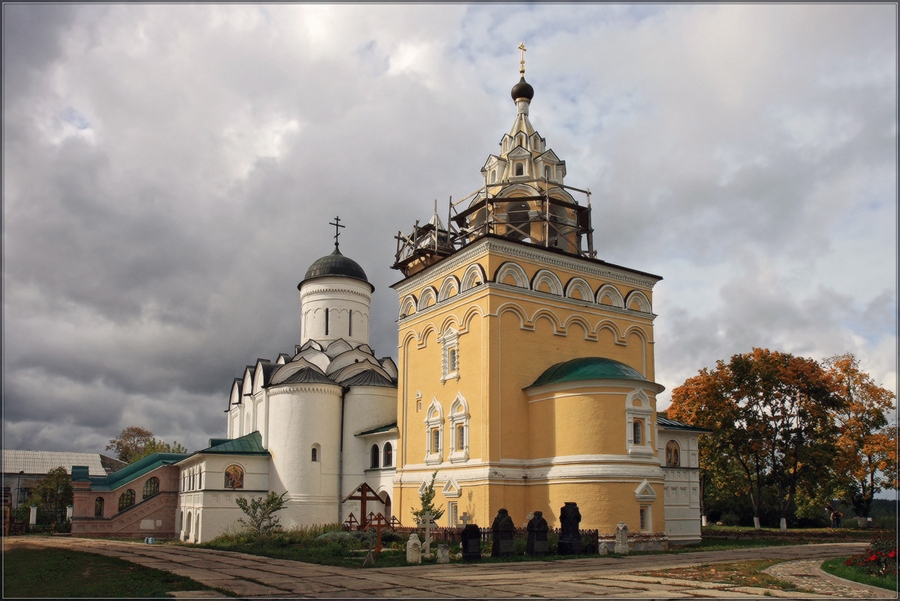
[{"x": 49, "y": 572}]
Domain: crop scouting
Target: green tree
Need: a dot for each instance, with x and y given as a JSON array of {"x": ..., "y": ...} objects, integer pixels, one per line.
[
  {"x": 134, "y": 443},
  {"x": 260, "y": 511},
  {"x": 427, "y": 500},
  {"x": 770, "y": 414},
  {"x": 866, "y": 457},
  {"x": 53, "y": 494}
]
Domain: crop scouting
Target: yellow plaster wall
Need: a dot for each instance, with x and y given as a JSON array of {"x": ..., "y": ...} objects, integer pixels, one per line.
[{"x": 515, "y": 336}]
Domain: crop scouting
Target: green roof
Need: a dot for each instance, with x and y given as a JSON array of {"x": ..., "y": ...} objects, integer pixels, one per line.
[
  {"x": 135, "y": 470},
  {"x": 588, "y": 368},
  {"x": 251, "y": 444},
  {"x": 379, "y": 429}
]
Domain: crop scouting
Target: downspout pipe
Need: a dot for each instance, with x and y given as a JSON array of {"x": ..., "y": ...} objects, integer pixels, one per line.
[{"x": 344, "y": 391}]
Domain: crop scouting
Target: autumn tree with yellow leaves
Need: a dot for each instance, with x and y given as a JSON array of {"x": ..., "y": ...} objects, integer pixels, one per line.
[
  {"x": 771, "y": 417},
  {"x": 866, "y": 459}
]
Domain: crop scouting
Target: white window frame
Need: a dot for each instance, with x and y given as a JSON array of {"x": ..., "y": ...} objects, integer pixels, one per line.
[
  {"x": 434, "y": 420},
  {"x": 459, "y": 418},
  {"x": 638, "y": 409},
  {"x": 449, "y": 355}
]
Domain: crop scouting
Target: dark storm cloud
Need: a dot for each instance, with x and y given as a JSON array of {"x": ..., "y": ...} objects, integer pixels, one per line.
[{"x": 170, "y": 171}]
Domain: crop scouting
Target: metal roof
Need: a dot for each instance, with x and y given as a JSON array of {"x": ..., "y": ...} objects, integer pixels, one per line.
[
  {"x": 41, "y": 462},
  {"x": 671, "y": 424},
  {"x": 250, "y": 444},
  {"x": 379, "y": 430},
  {"x": 338, "y": 265},
  {"x": 369, "y": 378},
  {"x": 588, "y": 368}
]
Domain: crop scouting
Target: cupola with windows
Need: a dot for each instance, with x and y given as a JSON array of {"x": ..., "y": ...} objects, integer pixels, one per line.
[{"x": 523, "y": 197}]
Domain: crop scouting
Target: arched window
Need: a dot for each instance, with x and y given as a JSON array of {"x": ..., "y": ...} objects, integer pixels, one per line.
[
  {"x": 433, "y": 424},
  {"x": 673, "y": 454},
  {"x": 459, "y": 433},
  {"x": 126, "y": 499},
  {"x": 314, "y": 453},
  {"x": 638, "y": 434},
  {"x": 98, "y": 507},
  {"x": 234, "y": 477},
  {"x": 151, "y": 487},
  {"x": 373, "y": 456},
  {"x": 388, "y": 455}
]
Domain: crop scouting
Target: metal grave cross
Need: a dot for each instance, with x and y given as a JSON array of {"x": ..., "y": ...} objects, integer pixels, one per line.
[{"x": 427, "y": 524}]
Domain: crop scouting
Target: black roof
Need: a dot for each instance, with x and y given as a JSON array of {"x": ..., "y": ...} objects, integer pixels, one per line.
[{"x": 335, "y": 264}]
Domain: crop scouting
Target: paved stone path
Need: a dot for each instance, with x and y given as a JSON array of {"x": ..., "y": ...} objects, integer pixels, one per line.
[{"x": 596, "y": 577}]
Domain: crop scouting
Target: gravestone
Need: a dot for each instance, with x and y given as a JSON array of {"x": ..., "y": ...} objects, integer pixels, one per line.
[
  {"x": 443, "y": 554},
  {"x": 471, "y": 543},
  {"x": 621, "y": 539},
  {"x": 413, "y": 549},
  {"x": 604, "y": 549},
  {"x": 537, "y": 535},
  {"x": 427, "y": 522},
  {"x": 569, "y": 536},
  {"x": 502, "y": 531}
]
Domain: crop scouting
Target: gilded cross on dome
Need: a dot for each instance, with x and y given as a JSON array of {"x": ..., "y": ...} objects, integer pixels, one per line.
[{"x": 522, "y": 62}]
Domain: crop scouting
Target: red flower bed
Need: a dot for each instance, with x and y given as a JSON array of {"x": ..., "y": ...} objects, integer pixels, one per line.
[{"x": 880, "y": 559}]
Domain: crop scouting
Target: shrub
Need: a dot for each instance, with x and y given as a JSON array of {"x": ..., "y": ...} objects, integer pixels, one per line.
[{"x": 880, "y": 559}]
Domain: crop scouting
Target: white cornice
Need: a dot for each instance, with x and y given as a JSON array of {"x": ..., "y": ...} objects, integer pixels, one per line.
[
  {"x": 316, "y": 388},
  {"x": 512, "y": 249}
]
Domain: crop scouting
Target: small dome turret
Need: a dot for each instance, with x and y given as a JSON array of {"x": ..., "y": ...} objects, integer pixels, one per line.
[
  {"x": 335, "y": 265},
  {"x": 523, "y": 90}
]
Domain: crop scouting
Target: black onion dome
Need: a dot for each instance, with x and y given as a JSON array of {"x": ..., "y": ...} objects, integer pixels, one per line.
[
  {"x": 522, "y": 89},
  {"x": 335, "y": 265}
]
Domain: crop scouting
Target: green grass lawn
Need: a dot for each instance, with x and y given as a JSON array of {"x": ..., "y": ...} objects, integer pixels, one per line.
[
  {"x": 49, "y": 572},
  {"x": 837, "y": 568}
]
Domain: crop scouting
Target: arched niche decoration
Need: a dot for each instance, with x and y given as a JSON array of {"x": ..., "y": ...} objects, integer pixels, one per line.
[
  {"x": 638, "y": 301},
  {"x": 472, "y": 277},
  {"x": 579, "y": 289},
  {"x": 610, "y": 295},
  {"x": 512, "y": 274},
  {"x": 427, "y": 298},
  {"x": 449, "y": 288},
  {"x": 545, "y": 278},
  {"x": 408, "y": 306}
]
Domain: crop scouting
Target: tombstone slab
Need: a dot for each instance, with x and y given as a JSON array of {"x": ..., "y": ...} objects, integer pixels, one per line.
[
  {"x": 502, "y": 531},
  {"x": 570, "y": 535},
  {"x": 471, "y": 543},
  {"x": 621, "y": 539},
  {"x": 413, "y": 549},
  {"x": 443, "y": 554},
  {"x": 537, "y": 527}
]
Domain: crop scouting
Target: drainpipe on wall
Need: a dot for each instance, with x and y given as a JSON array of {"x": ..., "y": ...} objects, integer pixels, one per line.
[{"x": 344, "y": 391}]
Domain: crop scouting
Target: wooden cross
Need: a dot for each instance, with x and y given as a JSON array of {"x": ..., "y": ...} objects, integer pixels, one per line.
[
  {"x": 427, "y": 523},
  {"x": 351, "y": 521},
  {"x": 465, "y": 518},
  {"x": 337, "y": 232},
  {"x": 378, "y": 522}
]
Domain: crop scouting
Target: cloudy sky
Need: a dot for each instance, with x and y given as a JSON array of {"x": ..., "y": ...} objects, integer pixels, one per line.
[{"x": 169, "y": 172}]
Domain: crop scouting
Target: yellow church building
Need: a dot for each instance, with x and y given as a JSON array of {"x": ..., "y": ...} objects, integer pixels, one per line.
[{"x": 525, "y": 364}]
